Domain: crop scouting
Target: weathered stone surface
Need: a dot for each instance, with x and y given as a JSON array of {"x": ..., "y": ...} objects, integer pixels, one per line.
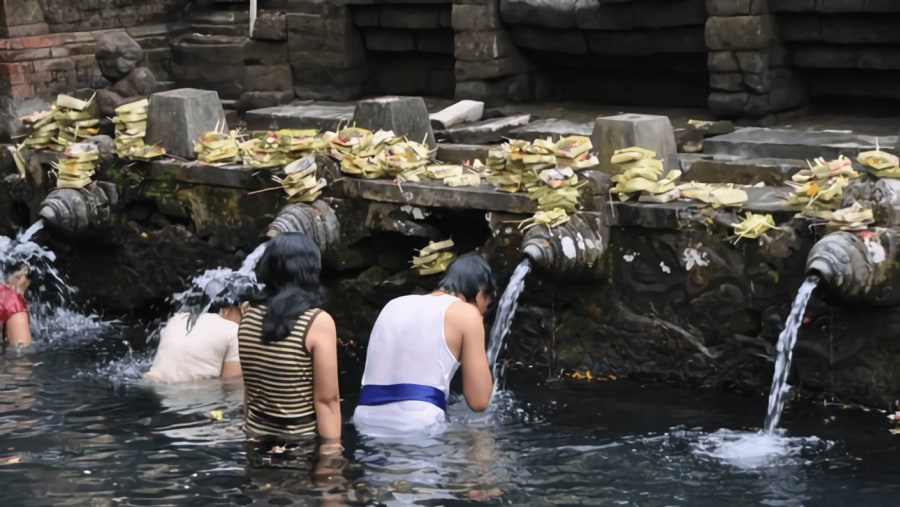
[
  {"x": 739, "y": 32},
  {"x": 480, "y": 46},
  {"x": 436, "y": 194},
  {"x": 489, "y": 69},
  {"x": 475, "y": 18},
  {"x": 453, "y": 153},
  {"x": 744, "y": 171},
  {"x": 553, "y": 129},
  {"x": 270, "y": 25},
  {"x": 488, "y": 131},
  {"x": 670, "y": 13},
  {"x": 728, "y": 82},
  {"x": 722, "y": 61},
  {"x": 736, "y": 7},
  {"x": 257, "y": 52},
  {"x": 791, "y": 144},
  {"x": 652, "y": 132},
  {"x": 544, "y": 13},
  {"x": 177, "y": 118},
  {"x": 268, "y": 78},
  {"x": 262, "y": 99},
  {"x": 117, "y": 55},
  {"x": 312, "y": 116},
  {"x": 20, "y": 12},
  {"x": 406, "y": 116}
]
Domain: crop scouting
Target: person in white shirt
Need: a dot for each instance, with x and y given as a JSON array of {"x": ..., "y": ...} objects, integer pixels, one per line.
[
  {"x": 416, "y": 345},
  {"x": 195, "y": 346}
]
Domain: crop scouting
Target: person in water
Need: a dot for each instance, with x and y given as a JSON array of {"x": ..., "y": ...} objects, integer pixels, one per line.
[
  {"x": 416, "y": 345},
  {"x": 288, "y": 351},
  {"x": 201, "y": 345},
  {"x": 16, "y": 330}
]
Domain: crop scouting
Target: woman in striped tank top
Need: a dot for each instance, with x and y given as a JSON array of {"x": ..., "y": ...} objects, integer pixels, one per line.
[{"x": 288, "y": 350}]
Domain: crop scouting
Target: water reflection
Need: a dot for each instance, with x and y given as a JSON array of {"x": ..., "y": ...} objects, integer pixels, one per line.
[{"x": 70, "y": 438}]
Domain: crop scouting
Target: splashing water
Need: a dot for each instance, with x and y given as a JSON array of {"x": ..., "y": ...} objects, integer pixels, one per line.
[
  {"x": 244, "y": 278},
  {"x": 784, "y": 352},
  {"x": 52, "y": 320},
  {"x": 506, "y": 310}
]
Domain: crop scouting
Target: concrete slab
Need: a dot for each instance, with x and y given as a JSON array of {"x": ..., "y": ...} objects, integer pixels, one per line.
[
  {"x": 307, "y": 116},
  {"x": 437, "y": 195},
  {"x": 755, "y": 142},
  {"x": 552, "y": 128}
]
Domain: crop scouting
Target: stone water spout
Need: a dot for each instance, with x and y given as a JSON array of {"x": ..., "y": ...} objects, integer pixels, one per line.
[
  {"x": 74, "y": 210},
  {"x": 317, "y": 219},
  {"x": 574, "y": 248},
  {"x": 859, "y": 267}
]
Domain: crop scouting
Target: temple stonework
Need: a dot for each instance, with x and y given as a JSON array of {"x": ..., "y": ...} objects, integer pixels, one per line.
[{"x": 739, "y": 58}]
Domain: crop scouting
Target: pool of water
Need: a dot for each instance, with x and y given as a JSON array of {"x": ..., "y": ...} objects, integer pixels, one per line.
[{"x": 78, "y": 428}]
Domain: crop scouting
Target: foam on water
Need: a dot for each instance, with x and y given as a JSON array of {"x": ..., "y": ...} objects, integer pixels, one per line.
[{"x": 755, "y": 450}]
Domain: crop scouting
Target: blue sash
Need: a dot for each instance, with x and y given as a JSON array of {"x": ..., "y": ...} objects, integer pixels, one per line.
[{"x": 380, "y": 395}]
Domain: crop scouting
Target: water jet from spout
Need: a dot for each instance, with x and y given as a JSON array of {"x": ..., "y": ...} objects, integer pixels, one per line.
[
  {"x": 785, "y": 350},
  {"x": 506, "y": 310}
]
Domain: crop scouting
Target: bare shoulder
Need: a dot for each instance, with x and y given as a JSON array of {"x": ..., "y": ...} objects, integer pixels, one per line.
[
  {"x": 323, "y": 323},
  {"x": 460, "y": 311}
]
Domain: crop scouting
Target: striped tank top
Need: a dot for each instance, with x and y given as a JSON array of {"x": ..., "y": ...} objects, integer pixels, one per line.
[{"x": 278, "y": 378}]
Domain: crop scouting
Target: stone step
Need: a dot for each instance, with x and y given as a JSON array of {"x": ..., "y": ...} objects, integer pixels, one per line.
[
  {"x": 458, "y": 153},
  {"x": 305, "y": 116},
  {"x": 756, "y": 142},
  {"x": 236, "y": 30},
  {"x": 733, "y": 169},
  {"x": 552, "y": 128},
  {"x": 488, "y": 131},
  {"x": 220, "y": 17}
]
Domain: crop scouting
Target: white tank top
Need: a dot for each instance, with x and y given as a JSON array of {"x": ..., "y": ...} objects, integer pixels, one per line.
[{"x": 407, "y": 346}]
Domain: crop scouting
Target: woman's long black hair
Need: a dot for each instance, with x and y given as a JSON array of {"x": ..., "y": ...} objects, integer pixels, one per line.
[{"x": 289, "y": 269}]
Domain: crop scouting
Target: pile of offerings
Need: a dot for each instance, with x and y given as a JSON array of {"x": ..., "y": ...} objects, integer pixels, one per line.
[
  {"x": 820, "y": 188},
  {"x": 74, "y": 119},
  {"x": 131, "y": 128},
  {"x": 217, "y": 148},
  {"x": 434, "y": 258},
  {"x": 263, "y": 151},
  {"x": 639, "y": 172},
  {"x": 880, "y": 164},
  {"x": 76, "y": 166},
  {"x": 300, "y": 182}
]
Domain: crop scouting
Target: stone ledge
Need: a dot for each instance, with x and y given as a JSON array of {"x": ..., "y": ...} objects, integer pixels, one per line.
[
  {"x": 437, "y": 195},
  {"x": 233, "y": 176}
]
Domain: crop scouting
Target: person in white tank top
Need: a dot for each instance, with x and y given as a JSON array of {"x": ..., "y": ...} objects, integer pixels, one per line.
[{"x": 416, "y": 345}]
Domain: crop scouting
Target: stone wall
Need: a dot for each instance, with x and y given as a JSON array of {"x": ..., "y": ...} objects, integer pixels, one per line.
[
  {"x": 633, "y": 52},
  {"x": 847, "y": 51},
  {"x": 48, "y": 45},
  {"x": 409, "y": 48}
]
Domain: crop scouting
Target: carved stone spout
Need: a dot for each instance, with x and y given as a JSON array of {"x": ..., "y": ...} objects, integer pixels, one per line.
[
  {"x": 74, "y": 210},
  {"x": 858, "y": 267},
  {"x": 574, "y": 248},
  {"x": 316, "y": 219}
]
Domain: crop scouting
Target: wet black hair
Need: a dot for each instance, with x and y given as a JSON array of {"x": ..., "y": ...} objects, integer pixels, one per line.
[
  {"x": 289, "y": 270},
  {"x": 468, "y": 275}
]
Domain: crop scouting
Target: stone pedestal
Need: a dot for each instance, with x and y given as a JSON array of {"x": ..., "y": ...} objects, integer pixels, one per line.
[
  {"x": 652, "y": 132},
  {"x": 406, "y": 116},
  {"x": 177, "y": 118}
]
